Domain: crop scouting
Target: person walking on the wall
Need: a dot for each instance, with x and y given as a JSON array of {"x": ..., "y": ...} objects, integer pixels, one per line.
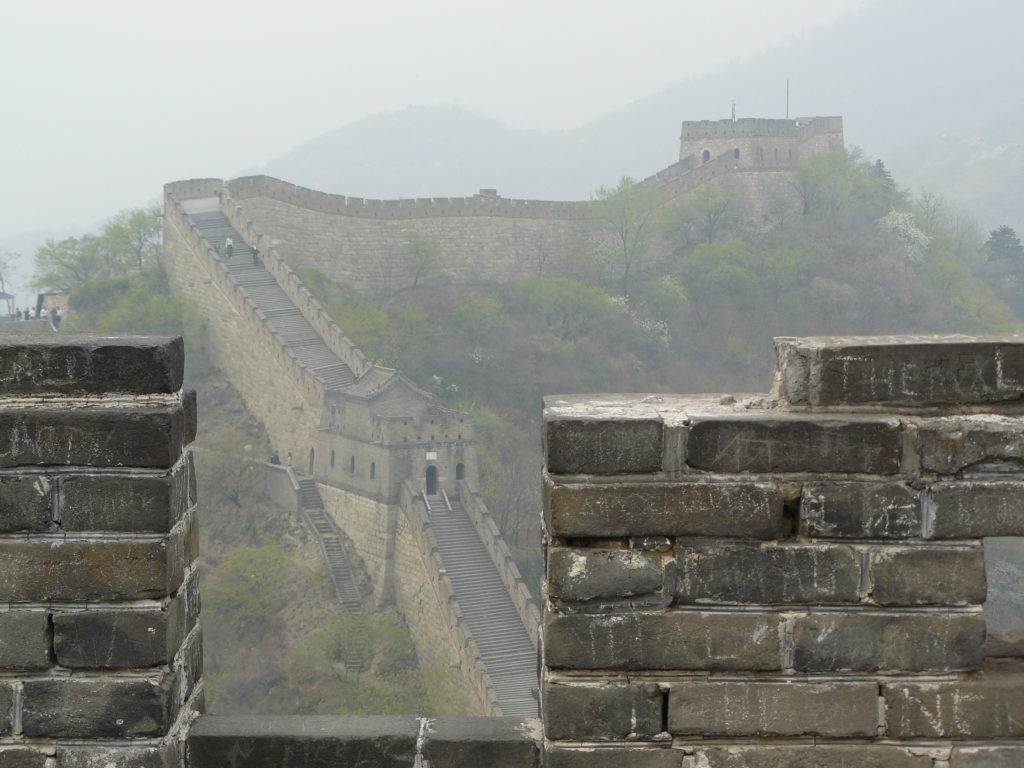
[
  {"x": 229, "y": 246},
  {"x": 255, "y": 255},
  {"x": 275, "y": 459},
  {"x": 289, "y": 459},
  {"x": 56, "y": 316}
]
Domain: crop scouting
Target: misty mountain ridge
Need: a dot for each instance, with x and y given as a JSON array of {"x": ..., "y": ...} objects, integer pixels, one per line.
[{"x": 906, "y": 76}]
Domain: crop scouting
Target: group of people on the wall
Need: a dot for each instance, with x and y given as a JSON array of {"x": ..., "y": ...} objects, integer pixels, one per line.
[{"x": 54, "y": 315}]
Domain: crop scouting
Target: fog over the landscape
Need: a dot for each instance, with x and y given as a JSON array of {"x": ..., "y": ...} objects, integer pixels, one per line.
[{"x": 107, "y": 100}]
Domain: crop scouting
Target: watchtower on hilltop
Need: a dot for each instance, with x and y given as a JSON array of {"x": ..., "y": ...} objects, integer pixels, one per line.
[{"x": 760, "y": 142}]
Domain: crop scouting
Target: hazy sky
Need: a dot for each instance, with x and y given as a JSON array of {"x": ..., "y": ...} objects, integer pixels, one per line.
[{"x": 105, "y": 100}]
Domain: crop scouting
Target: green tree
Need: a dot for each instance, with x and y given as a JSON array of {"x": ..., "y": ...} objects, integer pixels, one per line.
[
  {"x": 714, "y": 207},
  {"x": 424, "y": 259},
  {"x": 630, "y": 215},
  {"x": 1004, "y": 245},
  {"x": 61, "y": 265},
  {"x": 131, "y": 238}
]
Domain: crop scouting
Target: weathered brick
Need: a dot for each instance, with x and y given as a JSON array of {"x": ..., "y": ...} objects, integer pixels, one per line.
[
  {"x": 97, "y": 437},
  {"x": 831, "y": 709},
  {"x": 808, "y": 756},
  {"x": 109, "y": 756},
  {"x": 21, "y": 757},
  {"x": 908, "y": 370},
  {"x": 678, "y": 640},
  {"x": 312, "y": 741},
  {"x": 617, "y": 756},
  {"x": 6, "y": 709},
  {"x": 1002, "y": 756},
  {"x": 601, "y": 447},
  {"x": 975, "y": 509},
  {"x": 967, "y": 443},
  {"x": 927, "y": 575},
  {"x": 24, "y": 640},
  {"x": 90, "y": 364},
  {"x": 40, "y": 570},
  {"x": 793, "y": 444},
  {"x": 990, "y": 708},
  {"x": 868, "y": 642},
  {"x": 860, "y": 511},
  {"x": 189, "y": 666},
  {"x": 584, "y": 574},
  {"x": 753, "y": 573},
  {"x": 495, "y": 742},
  {"x": 190, "y": 405},
  {"x": 749, "y": 510},
  {"x": 99, "y": 639},
  {"x": 26, "y": 503},
  {"x": 129, "y": 503},
  {"x": 601, "y": 712},
  {"x": 95, "y": 709}
]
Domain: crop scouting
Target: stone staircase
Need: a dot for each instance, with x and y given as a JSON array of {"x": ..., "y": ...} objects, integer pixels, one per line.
[
  {"x": 492, "y": 618},
  {"x": 330, "y": 540},
  {"x": 282, "y": 315}
]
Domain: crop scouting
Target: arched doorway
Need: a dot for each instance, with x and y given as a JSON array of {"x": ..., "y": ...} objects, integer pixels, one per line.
[
  {"x": 705, "y": 156},
  {"x": 460, "y": 471},
  {"x": 431, "y": 481},
  {"x": 312, "y": 459}
]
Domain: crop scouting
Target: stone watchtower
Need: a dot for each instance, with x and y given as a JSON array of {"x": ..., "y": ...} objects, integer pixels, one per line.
[{"x": 760, "y": 143}]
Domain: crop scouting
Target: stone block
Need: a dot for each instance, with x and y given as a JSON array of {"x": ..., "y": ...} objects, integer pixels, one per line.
[
  {"x": 113, "y": 757},
  {"x": 604, "y": 447},
  {"x": 495, "y": 742},
  {"x": 860, "y": 511},
  {"x": 829, "y": 709},
  {"x": 314, "y": 741},
  {"x": 190, "y": 406},
  {"x": 24, "y": 640},
  {"x": 972, "y": 509},
  {"x": 977, "y": 443},
  {"x": 679, "y": 640},
  {"x": 867, "y": 642},
  {"x": 100, "y": 639},
  {"x": 794, "y": 444},
  {"x": 742, "y": 573},
  {"x": 927, "y": 575},
  {"x": 808, "y": 756},
  {"x": 988, "y": 708},
  {"x": 97, "y": 437},
  {"x": 617, "y": 756},
  {"x": 906, "y": 370},
  {"x": 61, "y": 570},
  {"x": 128, "y": 503},
  {"x": 21, "y": 757},
  {"x": 6, "y": 709},
  {"x": 748, "y": 510},
  {"x": 1002, "y": 756},
  {"x": 585, "y": 574},
  {"x": 188, "y": 665},
  {"x": 26, "y": 503},
  {"x": 90, "y": 364},
  {"x": 601, "y": 711},
  {"x": 107, "y": 708}
]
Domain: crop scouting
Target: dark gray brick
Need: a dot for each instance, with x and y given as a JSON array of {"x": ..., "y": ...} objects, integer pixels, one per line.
[
  {"x": 41, "y": 570},
  {"x": 26, "y": 503},
  {"x": 98, "y": 437},
  {"x": 860, "y": 511},
  {"x": 830, "y": 709},
  {"x": 617, "y": 756},
  {"x": 793, "y": 444},
  {"x": 927, "y": 575},
  {"x": 601, "y": 712},
  {"x": 678, "y": 640},
  {"x": 867, "y": 642},
  {"x": 811, "y": 756},
  {"x": 112, "y": 639},
  {"x": 974, "y": 509},
  {"x": 970, "y": 443},
  {"x": 114, "y": 757},
  {"x": 96, "y": 709},
  {"x": 1002, "y": 756},
  {"x": 494, "y": 742},
  {"x": 21, "y": 757},
  {"x": 87, "y": 364},
  {"x": 128, "y": 503},
  {"x": 749, "y": 510},
  {"x": 6, "y": 709},
  {"x": 764, "y": 574},
  {"x": 24, "y": 640},
  {"x": 604, "y": 447},
  {"x": 585, "y": 574},
  {"x": 990, "y": 708}
]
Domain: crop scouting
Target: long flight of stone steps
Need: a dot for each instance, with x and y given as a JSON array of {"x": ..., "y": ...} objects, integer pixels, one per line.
[
  {"x": 282, "y": 315},
  {"x": 505, "y": 645}
]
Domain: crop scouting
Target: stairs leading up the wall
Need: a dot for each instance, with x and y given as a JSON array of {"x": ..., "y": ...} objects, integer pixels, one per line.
[
  {"x": 330, "y": 538},
  {"x": 490, "y": 614},
  {"x": 282, "y": 315}
]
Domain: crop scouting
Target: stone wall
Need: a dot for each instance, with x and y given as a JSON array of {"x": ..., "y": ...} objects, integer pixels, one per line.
[
  {"x": 791, "y": 580},
  {"x": 100, "y": 648}
]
